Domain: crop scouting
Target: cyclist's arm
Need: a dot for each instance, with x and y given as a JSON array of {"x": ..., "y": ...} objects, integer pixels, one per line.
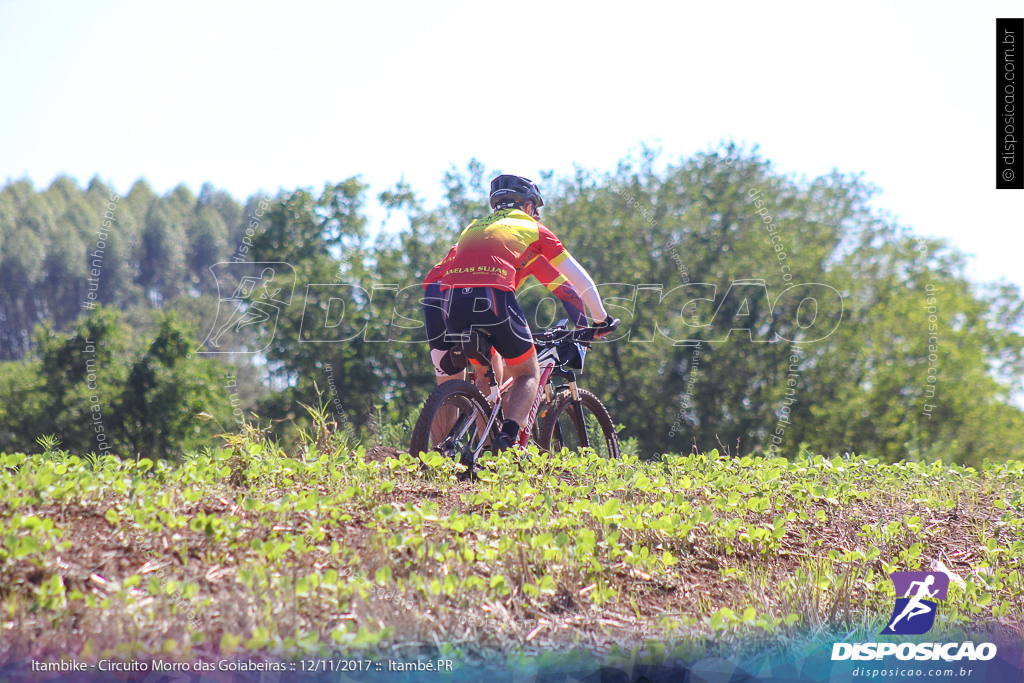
[
  {"x": 584, "y": 284},
  {"x": 551, "y": 248},
  {"x": 572, "y": 303},
  {"x": 558, "y": 285}
]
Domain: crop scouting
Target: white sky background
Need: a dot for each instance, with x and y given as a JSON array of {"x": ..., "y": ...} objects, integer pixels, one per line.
[{"x": 254, "y": 96}]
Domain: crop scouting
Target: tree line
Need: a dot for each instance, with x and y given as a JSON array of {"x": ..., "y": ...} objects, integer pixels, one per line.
[{"x": 711, "y": 261}]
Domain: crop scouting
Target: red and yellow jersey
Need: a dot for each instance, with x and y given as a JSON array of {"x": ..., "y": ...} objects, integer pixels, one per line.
[
  {"x": 435, "y": 273},
  {"x": 537, "y": 266},
  {"x": 491, "y": 251}
]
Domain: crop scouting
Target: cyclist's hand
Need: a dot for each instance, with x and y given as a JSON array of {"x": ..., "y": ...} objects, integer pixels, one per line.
[{"x": 605, "y": 328}]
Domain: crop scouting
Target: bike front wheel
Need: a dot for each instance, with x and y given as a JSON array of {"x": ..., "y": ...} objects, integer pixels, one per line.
[
  {"x": 574, "y": 425},
  {"x": 452, "y": 423}
]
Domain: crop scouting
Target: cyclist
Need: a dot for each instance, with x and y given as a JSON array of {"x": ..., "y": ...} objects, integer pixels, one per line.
[
  {"x": 478, "y": 286},
  {"x": 433, "y": 315}
]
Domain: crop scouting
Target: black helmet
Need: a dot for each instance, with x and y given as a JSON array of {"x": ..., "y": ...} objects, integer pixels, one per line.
[{"x": 514, "y": 189}]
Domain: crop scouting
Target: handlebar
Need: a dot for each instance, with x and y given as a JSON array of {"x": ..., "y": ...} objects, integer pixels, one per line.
[{"x": 561, "y": 333}]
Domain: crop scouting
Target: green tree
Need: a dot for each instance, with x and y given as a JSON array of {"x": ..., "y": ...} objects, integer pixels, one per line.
[
  {"x": 64, "y": 287},
  {"x": 207, "y": 240},
  {"x": 24, "y": 222},
  {"x": 121, "y": 244},
  {"x": 163, "y": 263},
  {"x": 303, "y": 230},
  {"x": 165, "y": 391},
  {"x": 95, "y": 394}
]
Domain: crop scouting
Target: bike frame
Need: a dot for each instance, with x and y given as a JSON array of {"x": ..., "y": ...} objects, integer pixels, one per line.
[
  {"x": 546, "y": 360},
  {"x": 496, "y": 398},
  {"x": 545, "y": 375}
]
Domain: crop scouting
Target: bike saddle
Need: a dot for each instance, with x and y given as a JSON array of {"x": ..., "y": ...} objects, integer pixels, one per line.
[{"x": 470, "y": 344}]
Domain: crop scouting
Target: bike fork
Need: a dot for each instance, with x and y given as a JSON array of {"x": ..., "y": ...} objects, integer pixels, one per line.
[{"x": 577, "y": 406}]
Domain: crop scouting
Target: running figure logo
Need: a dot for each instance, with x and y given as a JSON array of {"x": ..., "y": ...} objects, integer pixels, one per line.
[
  {"x": 914, "y": 613},
  {"x": 250, "y": 299}
]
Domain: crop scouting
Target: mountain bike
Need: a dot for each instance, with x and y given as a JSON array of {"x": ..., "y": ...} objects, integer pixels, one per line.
[{"x": 458, "y": 422}]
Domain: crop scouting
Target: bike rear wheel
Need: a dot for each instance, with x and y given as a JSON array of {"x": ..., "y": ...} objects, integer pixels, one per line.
[
  {"x": 452, "y": 421},
  {"x": 577, "y": 425}
]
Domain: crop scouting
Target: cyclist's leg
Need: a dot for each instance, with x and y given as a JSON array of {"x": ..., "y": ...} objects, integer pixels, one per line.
[
  {"x": 462, "y": 312},
  {"x": 525, "y": 381},
  {"x": 511, "y": 337},
  {"x": 497, "y": 314},
  {"x": 433, "y": 317}
]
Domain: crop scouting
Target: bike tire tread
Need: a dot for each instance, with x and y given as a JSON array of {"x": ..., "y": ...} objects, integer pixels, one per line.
[{"x": 560, "y": 402}]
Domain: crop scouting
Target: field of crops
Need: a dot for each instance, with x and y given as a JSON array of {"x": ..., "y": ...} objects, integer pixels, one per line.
[{"x": 252, "y": 549}]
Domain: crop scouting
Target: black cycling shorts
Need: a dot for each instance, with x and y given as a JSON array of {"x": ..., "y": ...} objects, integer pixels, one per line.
[
  {"x": 433, "y": 316},
  {"x": 494, "y": 312}
]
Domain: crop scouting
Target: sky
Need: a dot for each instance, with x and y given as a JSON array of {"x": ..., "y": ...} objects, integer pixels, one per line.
[{"x": 264, "y": 96}]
